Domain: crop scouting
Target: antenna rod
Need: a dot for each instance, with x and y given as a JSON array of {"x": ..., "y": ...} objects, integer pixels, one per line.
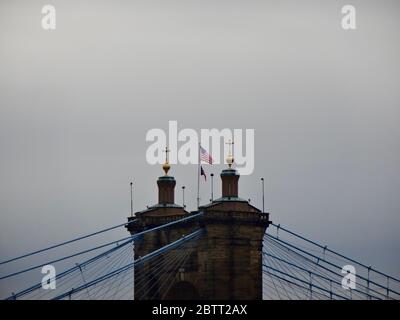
[
  {"x": 263, "y": 201},
  {"x": 183, "y": 197},
  {"x": 131, "y": 199},
  {"x": 212, "y": 187}
]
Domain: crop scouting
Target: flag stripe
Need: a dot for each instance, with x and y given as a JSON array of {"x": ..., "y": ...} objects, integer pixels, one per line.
[{"x": 205, "y": 156}]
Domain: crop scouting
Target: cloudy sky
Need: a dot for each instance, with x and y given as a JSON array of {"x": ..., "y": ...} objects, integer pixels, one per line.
[{"x": 76, "y": 104}]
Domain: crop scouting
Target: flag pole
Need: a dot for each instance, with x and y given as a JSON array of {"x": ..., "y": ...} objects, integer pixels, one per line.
[
  {"x": 131, "y": 200},
  {"x": 183, "y": 197},
  {"x": 212, "y": 187},
  {"x": 263, "y": 203},
  {"x": 198, "y": 177}
]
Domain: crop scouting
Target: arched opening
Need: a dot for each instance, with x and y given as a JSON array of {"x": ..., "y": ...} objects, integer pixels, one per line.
[{"x": 182, "y": 290}]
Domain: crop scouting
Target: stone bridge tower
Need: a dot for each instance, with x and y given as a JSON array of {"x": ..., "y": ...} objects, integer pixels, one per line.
[{"x": 227, "y": 261}]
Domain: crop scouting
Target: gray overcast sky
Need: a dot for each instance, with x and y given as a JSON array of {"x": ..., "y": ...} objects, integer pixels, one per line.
[{"x": 76, "y": 104}]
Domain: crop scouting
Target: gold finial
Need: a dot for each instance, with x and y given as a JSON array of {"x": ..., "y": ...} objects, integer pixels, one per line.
[
  {"x": 229, "y": 158},
  {"x": 166, "y": 166}
]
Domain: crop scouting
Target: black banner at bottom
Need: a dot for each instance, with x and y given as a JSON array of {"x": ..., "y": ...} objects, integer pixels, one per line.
[{"x": 196, "y": 309}]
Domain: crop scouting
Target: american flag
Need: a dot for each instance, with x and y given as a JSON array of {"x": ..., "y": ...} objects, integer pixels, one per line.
[{"x": 205, "y": 156}]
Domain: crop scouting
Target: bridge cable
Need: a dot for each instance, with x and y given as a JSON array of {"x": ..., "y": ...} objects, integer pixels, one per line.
[{"x": 66, "y": 242}]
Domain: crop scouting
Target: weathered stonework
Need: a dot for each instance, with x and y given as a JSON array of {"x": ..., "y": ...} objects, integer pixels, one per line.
[{"x": 227, "y": 262}]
